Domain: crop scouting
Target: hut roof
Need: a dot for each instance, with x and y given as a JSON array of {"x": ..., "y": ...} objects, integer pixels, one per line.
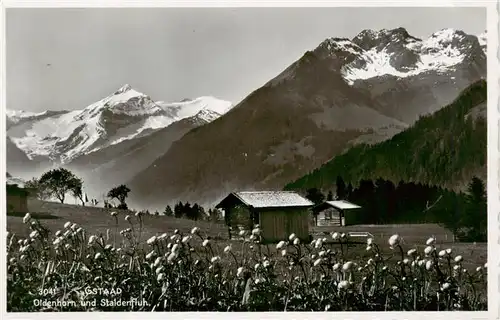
[
  {"x": 337, "y": 204},
  {"x": 269, "y": 199},
  {"x": 343, "y": 205}
]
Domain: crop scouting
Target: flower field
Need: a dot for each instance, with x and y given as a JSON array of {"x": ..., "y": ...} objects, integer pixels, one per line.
[{"x": 72, "y": 270}]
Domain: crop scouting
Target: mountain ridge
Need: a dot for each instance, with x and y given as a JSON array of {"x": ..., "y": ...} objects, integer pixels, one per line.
[{"x": 302, "y": 118}]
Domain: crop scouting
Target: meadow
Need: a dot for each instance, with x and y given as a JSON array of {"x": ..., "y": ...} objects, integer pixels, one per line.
[{"x": 68, "y": 258}]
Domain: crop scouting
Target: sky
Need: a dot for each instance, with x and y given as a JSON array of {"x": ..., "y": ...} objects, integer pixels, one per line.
[{"x": 64, "y": 59}]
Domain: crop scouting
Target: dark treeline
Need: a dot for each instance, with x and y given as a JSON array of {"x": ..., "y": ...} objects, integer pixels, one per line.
[
  {"x": 384, "y": 202},
  {"x": 192, "y": 211}
]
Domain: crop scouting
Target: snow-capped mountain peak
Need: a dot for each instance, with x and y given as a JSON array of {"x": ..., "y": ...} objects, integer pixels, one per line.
[
  {"x": 123, "y": 89},
  {"x": 395, "y": 52},
  {"x": 125, "y": 114}
]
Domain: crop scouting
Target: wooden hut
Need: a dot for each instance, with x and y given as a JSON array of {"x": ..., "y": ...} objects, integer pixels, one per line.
[
  {"x": 278, "y": 213},
  {"x": 333, "y": 213},
  {"x": 17, "y": 199}
]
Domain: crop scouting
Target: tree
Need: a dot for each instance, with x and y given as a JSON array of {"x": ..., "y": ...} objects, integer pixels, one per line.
[
  {"x": 476, "y": 217},
  {"x": 120, "y": 193},
  {"x": 178, "y": 210},
  {"x": 58, "y": 182},
  {"x": 38, "y": 190},
  {"x": 76, "y": 186},
  {"x": 315, "y": 195},
  {"x": 329, "y": 197},
  {"x": 168, "y": 212},
  {"x": 341, "y": 188}
]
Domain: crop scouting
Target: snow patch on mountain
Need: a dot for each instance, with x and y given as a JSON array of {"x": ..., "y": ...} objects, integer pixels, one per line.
[{"x": 441, "y": 51}]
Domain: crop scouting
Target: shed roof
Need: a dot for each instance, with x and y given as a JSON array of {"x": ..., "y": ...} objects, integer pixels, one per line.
[
  {"x": 343, "y": 205},
  {"x": 270, "y": 199},
  {"x": 337, "y": 204}
]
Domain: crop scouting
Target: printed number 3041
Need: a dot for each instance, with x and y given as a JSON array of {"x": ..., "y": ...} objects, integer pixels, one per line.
[{"x": 47, "y": 291}]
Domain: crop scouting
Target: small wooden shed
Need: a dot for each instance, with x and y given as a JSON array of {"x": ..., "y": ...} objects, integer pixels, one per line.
[
  {"x": 278, "y": 213},
  {"x": 17, "y": 199},
  {"x": 333, "y": 213}
]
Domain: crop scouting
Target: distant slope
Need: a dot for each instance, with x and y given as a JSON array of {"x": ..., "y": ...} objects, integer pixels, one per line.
[
  {"x": 446, "y": 149},
  {"x": 116, "y": 164}
]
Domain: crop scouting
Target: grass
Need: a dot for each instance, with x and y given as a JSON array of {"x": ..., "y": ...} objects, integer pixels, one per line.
[{"x": 163, "y": 262}]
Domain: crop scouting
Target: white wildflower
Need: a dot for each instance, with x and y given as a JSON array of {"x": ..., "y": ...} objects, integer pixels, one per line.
[
  {"x": 97, "y": 256},
  {"x": 57, "y": 241},
  {"x": 296, "y": 241},
  {"x": 412, "y": 252},
  {"x": 67, "y": 225},
  {"x": 458, "y": 259},
  {"x": 456, "y": 267},
  {"x": 283, "y": 252},
  {"x": 322, "y": 253},
  {"x": 343, "y": 285},
  {"x": 486, "y": 265},
  {"x": 430, "y": 241},
  {"x": 406, "y": 261},
  {"x": 256, "y": 232},
  {"x": 195, "y": 230},
  {"x": 160, "y": 277},
  {"x": 429, "y": 265},
  {"x": 186, "y": 239},
  {"x": 292, "y": 237},
  {"x": 335, "y": 235},
  {"x": 114, "y": 213},
  {"x": 108, "y": 247},
  {"x": 175, "y": 247},
  {"x": 150, "y": 255},
  {"x": 448, "y": 251},
  {"x": 151, "y": 240},
  {"x": 280, "y": 245},
  {"x": 347, "y": 266},
  {"x": 445, "y": 286},
  {"x": 266, "y": 264},
  {"x": 394, "y": 240},
  {"x": 157, "y": 261},
  {"x": 172, "y": 256},
  {"x": 336, "y": 266},
  {"x": 92, "y": 239},
  {"x": 215, "y": 259},
  {"x": 478, "y": 268},
  {"x": 34, "y": 234},
  {"x": 428, "y": 250},
  {"x": 369, "y": 241},
  {"x": 256, "y": 266},
  {"x": 127, "y": 218},
  {"x": 27, "y": 218},
  {"x": 369, "y": 248},
  {"x": 159, "y": 269},
  {"x": 239, "y": 273},
  {"x": 67, "y": 246},
  {"x": 227, "y": 249},
  {"x": 343, "y": 235},
  {"x": 319, "y": 243},
  {"x": 317, "y": 262},
  {"x": 205, "y": 242}
]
